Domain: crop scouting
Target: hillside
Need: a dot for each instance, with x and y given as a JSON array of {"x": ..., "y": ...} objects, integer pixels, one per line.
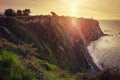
[{"x": 51, "y": 47}]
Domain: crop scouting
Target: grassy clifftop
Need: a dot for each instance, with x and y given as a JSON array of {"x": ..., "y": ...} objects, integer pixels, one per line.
[{"x": 50, "y": 47}]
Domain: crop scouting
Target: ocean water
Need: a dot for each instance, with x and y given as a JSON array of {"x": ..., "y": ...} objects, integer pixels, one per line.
[{"x": 106, "y": 50}]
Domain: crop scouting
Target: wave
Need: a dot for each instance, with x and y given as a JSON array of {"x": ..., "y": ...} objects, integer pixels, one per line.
[{"x": 106, "y": 51}]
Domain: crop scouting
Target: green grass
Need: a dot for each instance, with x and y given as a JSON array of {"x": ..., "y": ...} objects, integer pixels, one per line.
[
  {"x": 12, "y": 69},
  {"x": 47, "y": 66}
]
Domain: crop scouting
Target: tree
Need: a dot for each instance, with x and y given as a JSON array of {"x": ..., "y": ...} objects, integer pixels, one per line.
[
  {"x": 9, "y": 12},
  {"x": 53, "y": 13},
  {"x": 26, "y": 12},
  {"x": 19, "y": 13}
]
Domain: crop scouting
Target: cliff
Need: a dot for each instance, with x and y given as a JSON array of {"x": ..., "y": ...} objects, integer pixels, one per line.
[{"x": 60, "y": 40}]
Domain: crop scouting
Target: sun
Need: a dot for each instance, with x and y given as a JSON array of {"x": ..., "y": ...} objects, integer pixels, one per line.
[
  {"x": 73, "y": 5},
  {"x": 73, "y": 10}
]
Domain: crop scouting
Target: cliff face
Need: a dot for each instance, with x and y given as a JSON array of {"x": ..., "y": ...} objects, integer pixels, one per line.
[{"x": 60, "y": 40}]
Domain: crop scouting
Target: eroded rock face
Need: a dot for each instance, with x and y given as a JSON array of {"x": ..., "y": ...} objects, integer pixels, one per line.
[{"x": 61, "y": 40}]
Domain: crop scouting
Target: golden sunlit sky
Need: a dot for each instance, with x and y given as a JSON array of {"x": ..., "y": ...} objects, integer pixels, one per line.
[{"x": 98, "y": 9}]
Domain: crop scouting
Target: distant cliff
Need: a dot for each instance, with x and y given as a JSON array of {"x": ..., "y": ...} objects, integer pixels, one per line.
[{"x": 60, "y": 40}]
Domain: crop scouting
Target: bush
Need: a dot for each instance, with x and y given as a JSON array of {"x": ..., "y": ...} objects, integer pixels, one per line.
[{"x": 9, "y": 12}]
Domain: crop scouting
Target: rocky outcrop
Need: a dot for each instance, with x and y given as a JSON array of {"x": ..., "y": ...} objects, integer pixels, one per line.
[{"x": 61, "y": 40}]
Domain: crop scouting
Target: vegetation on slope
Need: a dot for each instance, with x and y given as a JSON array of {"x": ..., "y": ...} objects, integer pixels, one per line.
[
  {"x": 12, "y": 69},
  {"x": 50, "y": 38}
]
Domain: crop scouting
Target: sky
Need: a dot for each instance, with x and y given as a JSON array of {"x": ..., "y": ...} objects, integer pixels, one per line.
[{"x": 97, "y": 9}]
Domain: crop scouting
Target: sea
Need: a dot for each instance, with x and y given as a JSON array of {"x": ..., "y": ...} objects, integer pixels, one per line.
[{"x": 105, "y": 51}]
